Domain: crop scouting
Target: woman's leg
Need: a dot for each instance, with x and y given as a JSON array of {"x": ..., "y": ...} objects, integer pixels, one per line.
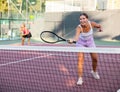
[
  {"x": 23, "y": 40},
  {"x": 29, "y": 36},
  {"x": 80, "y": 68},
  {"x": 80, "y": 64},
  {"x": 94, "y": 57},
  {"x": 28, "y": 41}
]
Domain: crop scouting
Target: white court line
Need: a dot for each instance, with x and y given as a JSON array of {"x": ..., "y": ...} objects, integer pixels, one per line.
[
  {"x": 110, "y": 58},
  {"x": 47, "y": 56},
  {"x": 14, "y": 62}
]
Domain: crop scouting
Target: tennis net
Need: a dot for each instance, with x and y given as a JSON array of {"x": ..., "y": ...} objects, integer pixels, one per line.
[{"x": 54, "y": 69}]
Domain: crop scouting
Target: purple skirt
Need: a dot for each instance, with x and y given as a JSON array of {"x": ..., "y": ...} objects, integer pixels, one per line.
[{"x": 86, "y": 43}]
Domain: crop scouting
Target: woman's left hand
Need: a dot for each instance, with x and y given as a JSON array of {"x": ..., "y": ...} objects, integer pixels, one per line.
[{"x": 100, "y": 30}]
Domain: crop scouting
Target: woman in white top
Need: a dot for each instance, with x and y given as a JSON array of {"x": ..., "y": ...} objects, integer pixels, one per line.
[{"x": 84, "y": 38}]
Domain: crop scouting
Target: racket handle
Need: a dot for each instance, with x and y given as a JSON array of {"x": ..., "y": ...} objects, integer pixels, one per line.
[
  {"x": 74, "y": 41},
  {"x": 71, "y": 42}
]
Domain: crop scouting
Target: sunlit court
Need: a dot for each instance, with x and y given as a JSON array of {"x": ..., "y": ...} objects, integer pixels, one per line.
[{"x": 59, "y": 46}]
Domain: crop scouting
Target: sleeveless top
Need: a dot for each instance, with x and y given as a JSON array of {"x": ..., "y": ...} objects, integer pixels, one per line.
[
  {"x": 25, "y": 31},
  {"x": 88, "y": 35}
]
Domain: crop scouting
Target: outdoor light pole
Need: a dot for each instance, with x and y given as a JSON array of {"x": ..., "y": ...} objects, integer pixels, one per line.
[
  {"x": 8, "y": 1},
  {"x": 103, "y": 5},
  {"x": 26, "y": 11},
  {"x": 63, "y": 19}
]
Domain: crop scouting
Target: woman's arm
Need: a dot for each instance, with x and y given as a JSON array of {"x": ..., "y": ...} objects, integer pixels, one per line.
[
  {"x": 78, "y": 31},
  {"x": 26, "y": 32},
  {"x": 76, "y": 37},
  {"x": 96, "y": 25}
]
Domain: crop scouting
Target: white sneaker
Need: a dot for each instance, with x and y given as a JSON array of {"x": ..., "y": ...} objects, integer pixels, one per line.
[
  {"x": 95, "y": 75},
  {"x": 118, "y": 90},
  {"x": 79, "y": 82}
]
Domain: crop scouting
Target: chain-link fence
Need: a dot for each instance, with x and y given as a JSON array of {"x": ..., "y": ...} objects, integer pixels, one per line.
[{"x": 9, "y": 29}]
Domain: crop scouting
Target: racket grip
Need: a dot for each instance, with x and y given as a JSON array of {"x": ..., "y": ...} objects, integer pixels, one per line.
[
  {"x": 74, "y": 41},
  {"x": 71, "y": 42}
]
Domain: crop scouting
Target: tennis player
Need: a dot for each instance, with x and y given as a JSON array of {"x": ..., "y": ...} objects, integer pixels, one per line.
[
  {"x": 25, "y": 34},
  {"x": 84, "y": 38}
]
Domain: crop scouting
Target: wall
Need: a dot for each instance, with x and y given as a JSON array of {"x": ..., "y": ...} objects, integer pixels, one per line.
[{"x": 65, "y": 23}]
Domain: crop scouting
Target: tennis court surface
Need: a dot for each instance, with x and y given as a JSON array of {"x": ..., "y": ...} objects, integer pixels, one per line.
[{"x": 54, "y": 69}]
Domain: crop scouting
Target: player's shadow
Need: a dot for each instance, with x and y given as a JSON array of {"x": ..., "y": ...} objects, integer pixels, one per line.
[
  {"x": 70, "y": 21},
  {"x": 116, "y": 37}
]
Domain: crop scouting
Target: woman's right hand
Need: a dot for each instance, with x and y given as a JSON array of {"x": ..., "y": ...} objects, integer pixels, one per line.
[{"x": 70, "y": 41}]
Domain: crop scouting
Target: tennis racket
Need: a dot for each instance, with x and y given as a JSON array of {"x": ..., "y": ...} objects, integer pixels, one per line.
[{"x": 51, "y": 37}]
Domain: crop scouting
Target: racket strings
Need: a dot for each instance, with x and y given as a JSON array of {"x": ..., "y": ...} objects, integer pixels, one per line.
[{"x": 49, "y": 37}]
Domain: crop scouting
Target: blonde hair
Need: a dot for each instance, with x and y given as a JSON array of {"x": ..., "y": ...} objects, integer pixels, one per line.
[{"x": 23, "y": 24}]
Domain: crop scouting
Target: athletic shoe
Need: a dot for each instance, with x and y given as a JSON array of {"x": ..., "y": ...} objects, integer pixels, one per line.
[
  {"x": 118, "y": 90},
  {"x": 95, "y": 75},
  {"x": 79, "y": 82}
]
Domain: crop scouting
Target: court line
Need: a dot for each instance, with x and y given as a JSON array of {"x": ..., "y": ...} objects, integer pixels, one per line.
[
  {"x": 14, "y": 62},
  {"x": 47, "y": 56}
]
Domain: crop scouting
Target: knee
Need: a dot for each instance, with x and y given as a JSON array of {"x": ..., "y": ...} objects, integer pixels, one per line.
[
  {"x": 94, "y": 59},
  {"x": 80, "y": 56},
  {"x": 23, "y": 39},
  {"x": 28, "y": 39}
]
